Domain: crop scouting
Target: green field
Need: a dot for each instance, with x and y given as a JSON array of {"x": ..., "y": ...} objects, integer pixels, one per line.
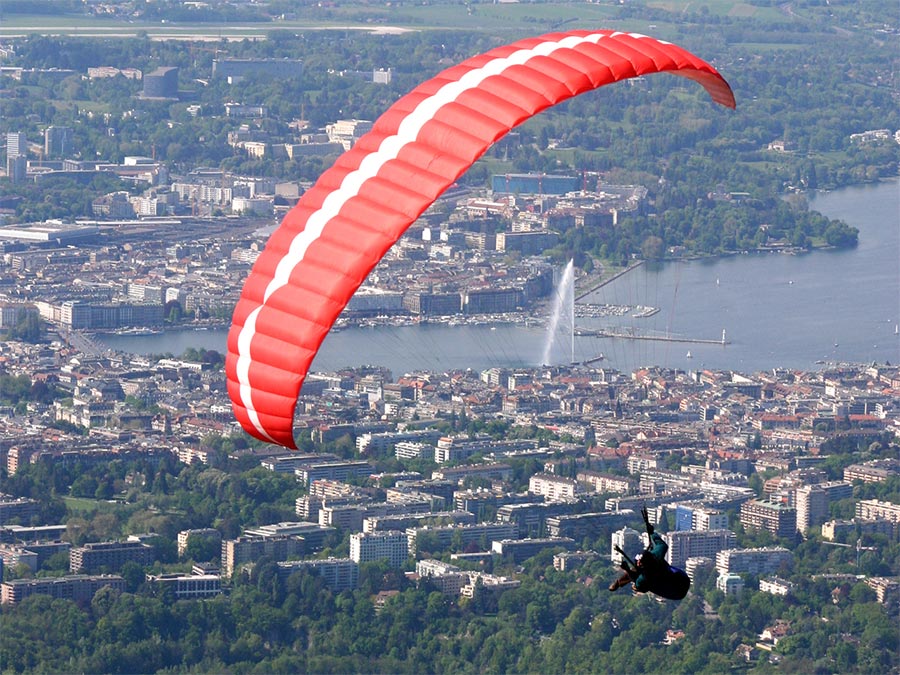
[
  {"x": 509, "y": 17},
  {"x": 84, "y": 505}
]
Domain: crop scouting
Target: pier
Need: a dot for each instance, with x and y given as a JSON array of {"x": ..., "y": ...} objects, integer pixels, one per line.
[{"x": 625, "y": 334}]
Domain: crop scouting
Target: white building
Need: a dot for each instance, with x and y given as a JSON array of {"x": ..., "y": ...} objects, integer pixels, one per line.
[
  {"x": 189, "y": 586},
  {"x": 684, "y": 544},
  {"x": 692, "y": 565},
  {"x": 775, "y": 586},
  {"x": 338, "y": 573},
  {"x": 873, "y": 509},
  {"x": 391, "y": 545},
  {"x": 812, "y": 502},
  {"x": 255, "y": 205},
  {"x": 765, "y": 560},
  {"x": 710, "y": 519},
  {"x": 449, "y": 579},
  {"x": 553, "y": 488},
  {"x": 730, "y": 584},
  {"x": 630, "y": 541},
  {"x": 347, "y": 132},
  {"x": 413, "y": 450}
]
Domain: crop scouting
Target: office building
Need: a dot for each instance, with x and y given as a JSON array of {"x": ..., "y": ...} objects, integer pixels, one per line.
[{"x": 188, "y": 586}]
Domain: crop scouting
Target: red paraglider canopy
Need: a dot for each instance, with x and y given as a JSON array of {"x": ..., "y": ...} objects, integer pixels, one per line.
[{"x": 339, "y": 230}]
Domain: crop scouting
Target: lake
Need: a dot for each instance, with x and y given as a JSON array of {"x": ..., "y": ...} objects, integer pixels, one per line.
[{"x": 777, "y": 310}]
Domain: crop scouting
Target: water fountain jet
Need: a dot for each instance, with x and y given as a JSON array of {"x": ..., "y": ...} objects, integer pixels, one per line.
[{"x": 561, "y": 329}]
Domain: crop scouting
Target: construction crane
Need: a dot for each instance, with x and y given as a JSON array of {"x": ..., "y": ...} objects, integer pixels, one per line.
[{"x": 858, "y": 546}]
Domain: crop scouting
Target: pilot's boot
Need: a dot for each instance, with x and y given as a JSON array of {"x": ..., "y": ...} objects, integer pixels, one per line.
[{"x": 623, "y": 580}]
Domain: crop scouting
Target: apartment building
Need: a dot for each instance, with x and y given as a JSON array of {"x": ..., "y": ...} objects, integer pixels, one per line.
[
  {"x": 766, "y": 560},
  {"x": 699, "y": 517},
  {"x": 684, "y": 544},
  {"x": 873, "y": 509},
  {"x": 339, "y": 471},
  {"x": 392, "y": 545},
  {"x": 778, "y": 519},
  {"x": 579, "y": 525},
  {"x": 339, "y": 574},
  {"x": 730, "y": 584},
  {"x": 248, "y": 549},
  {"x": 206, "y": 533},
  {"x": 876, "y": 471},
  {"x": 812, "y": 502},
  {"x": 601, "y": 482},
  {"x": 21, "y": 508},
  {"x": 79, "y": 588},
  {"x": 459, "y": 536},
  {"x": 111, "y": 555},
  {"x": 629, "y": 540},
  {"x": 448, "y": 579},
  {"x": 553, "y": 488}
]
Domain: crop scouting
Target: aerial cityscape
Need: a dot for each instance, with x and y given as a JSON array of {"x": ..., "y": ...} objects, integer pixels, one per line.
[{"x": 640, "y": 323}]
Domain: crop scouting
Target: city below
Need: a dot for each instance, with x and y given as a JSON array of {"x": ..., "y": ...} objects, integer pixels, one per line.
[{"x": 635, "y": 303}]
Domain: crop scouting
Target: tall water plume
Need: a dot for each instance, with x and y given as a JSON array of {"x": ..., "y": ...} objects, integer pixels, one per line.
[{"x": 561, "y": 329}]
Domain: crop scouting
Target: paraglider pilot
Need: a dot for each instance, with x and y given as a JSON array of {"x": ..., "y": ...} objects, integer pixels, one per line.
[{"x": 649, "y": 572}]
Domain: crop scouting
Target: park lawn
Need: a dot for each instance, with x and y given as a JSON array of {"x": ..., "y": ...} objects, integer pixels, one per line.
[{"x": 85, "y": 505}]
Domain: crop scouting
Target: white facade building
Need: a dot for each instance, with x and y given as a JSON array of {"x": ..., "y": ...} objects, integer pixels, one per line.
[
  {"x": 630, "y": 541},
  {"x": 553, "y": 488},
  {"x": 765, "y": 560},
  {"x": 391, "y": 545},
  {"x": 684, "y": 544}
]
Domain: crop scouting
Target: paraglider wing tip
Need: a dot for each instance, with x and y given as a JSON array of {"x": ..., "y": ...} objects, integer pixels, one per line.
[{"x": 716, "y": 86}]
